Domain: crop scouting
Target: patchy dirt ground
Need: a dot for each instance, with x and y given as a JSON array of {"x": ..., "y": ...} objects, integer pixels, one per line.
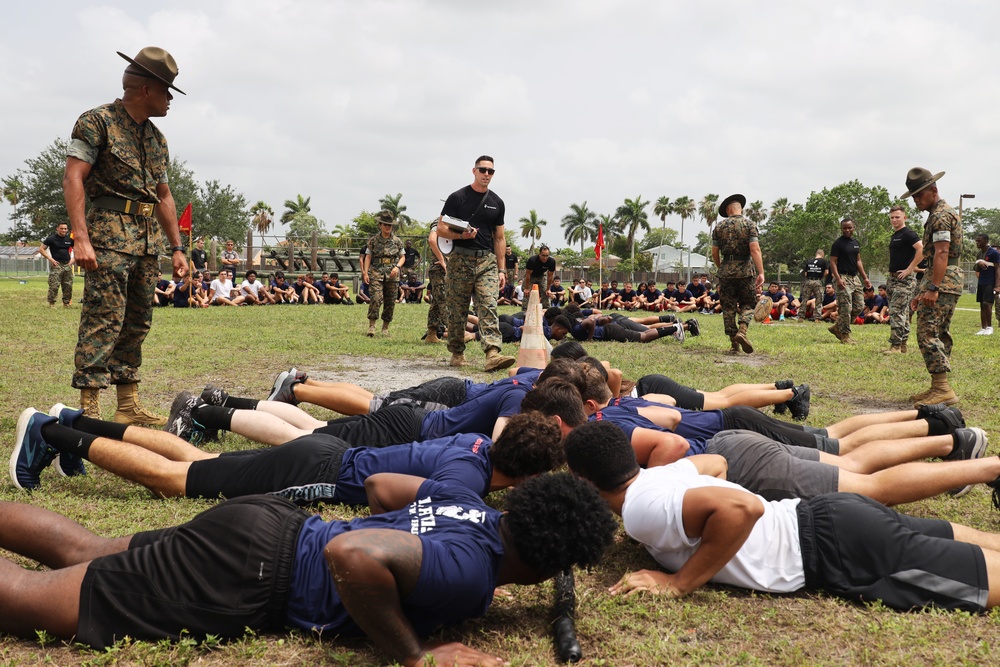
[{"x": 390, "y": 374}]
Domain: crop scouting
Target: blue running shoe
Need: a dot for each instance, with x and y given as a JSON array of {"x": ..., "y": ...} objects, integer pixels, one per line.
[
  {"x": 66, "y": 464},
  {"x": 31, "y": 453}
]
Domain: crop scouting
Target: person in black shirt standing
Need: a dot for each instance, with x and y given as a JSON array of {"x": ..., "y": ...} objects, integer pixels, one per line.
[
  {"x": 198, "y": 256},
  {"x": 905, "y": 252},
  {"x": 814, "y": 271},
  {"x": 476, "y": 266},
  {"x": 539, "y": 270},
  {"x": 510, "y": 260},
  {"x": 56, "y": 249},
  {"x": 845, "y": 265}
]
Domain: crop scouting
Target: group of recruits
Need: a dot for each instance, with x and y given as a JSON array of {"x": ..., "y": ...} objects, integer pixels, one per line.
[
  {"x": 713, "y": 488},
  {"x": 197, "y": 289}
]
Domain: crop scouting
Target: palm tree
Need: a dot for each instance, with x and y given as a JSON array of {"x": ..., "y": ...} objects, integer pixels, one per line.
[
  {"x": 293, "y": 208},
  {"x": 755, "y": 212},
  {"x": 263, "y": 217},
  {"x": 391, "y": 204},
  {"x": 780, "y": 208},
  {"x": 12, "y": 189},
  {"x": 708, "y": 208},
  {"x": 531, "y": 227},
  {"x": 632, "y": 217},
  {"x": 662, "y": 208},
  {"x": 578, "y": 225},
  {"x": 686, "y": 208},
  {"x": 342, "y": 235}
]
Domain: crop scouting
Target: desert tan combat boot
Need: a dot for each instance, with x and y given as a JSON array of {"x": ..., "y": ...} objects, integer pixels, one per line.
[
  {"x": 432, "y": 336},
  {"x": 385, "y": 328},
  {"x": 833, "y": 329},
  {"x": 735, "y": 349},
  {"x": 496, "y": 361},
  {"x": 895, "y": 349},
  {"x": 90, "y": 402},
  {"x": 941, "y": 391},
  {"x": 847, "y": 340},
  {"x": 458, "y": 359},
  {"x": 131, "y": 412},
  {"x": 371, "y": 328},
  {"x": 743, "y": 340},
  {"x": 902, "y": 347}
]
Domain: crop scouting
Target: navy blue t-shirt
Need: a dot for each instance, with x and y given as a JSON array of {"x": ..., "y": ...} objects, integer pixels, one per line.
[
  {"x": 629, "y": 420},
  {"x": 989, "y": 276},
  {"x": 694, "y": 425},
  {"x": 461, "y": 554},
  {"x": 458, "y": 460},
  {"x": 478, "y": 415},
  {"x": 696, "y": 289}
]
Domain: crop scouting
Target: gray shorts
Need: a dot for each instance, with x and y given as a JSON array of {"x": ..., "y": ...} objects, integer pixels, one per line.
[{"x": 771, "y": 469}]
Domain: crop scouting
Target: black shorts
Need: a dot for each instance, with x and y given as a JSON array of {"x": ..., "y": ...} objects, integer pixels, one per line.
[
  {"x": 226, "y": 570},
  {"x": 311, "y": 459},
  {"x": 741, "y": 417},
  {"x": 858, "y": 549},
  {"x": 620, "y": 334},
  {"x": 984, "y": 294},
  {"x": 687, "y": 398},
  {"x": 392, "y": 425},
  {"x": 439, "y": 393},
  {"x": 627, "y": 323}
]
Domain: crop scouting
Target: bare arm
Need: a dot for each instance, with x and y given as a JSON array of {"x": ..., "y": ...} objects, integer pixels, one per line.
[
  {"x": 391, "y": 491},
  {"x": 166, "y": 215},
  {"x": 941, "y": 249},
  {"x": 723, "y": 519},
  {"x": 657, "y": 448},
  {"x": 500, "y": 250},
  {"x": 861, "y": 270},
  {"x": 665, "y": 417},
  {"x": 712, "y": 465},
  {"x": 432, "y": 241},
  {"x": 918, "y": 253},
  {"x": 758, "y": 262}
]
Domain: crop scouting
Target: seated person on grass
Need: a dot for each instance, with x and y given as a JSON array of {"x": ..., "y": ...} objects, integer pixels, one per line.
[
  {"x": 705, "y": 529},
  {"x": 163, "y": 292},
  {"x": 263, "y": 565},
  {"x": 336, "y": 291},
  {"x": 873, "y": 310},
  {"x": 281, "y": 290},
  {"x": 628, "y": 298},
  {"x": 222, "y": 292},
  {"x": 828, "y": 311},
  {"x": 779, "y": 301},
  {"x": 682, "y": 300},
  {"x": 556, "y": 292},
  {"x": 253, "y": 292}
]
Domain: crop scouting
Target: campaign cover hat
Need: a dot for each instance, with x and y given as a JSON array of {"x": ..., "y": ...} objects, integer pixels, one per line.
[
  {"x": 385, "y": 216},
  {"x": 156, "y": 63},
  {"x": 729, "y": 200},
  {"x": 917, "y": 179}
]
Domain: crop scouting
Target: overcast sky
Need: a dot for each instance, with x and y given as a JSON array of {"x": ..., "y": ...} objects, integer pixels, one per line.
[{"x": 345, "y": 101}]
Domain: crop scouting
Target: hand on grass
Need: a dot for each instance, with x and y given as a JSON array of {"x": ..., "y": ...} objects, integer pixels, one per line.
[{"x": 650, "y": 581}]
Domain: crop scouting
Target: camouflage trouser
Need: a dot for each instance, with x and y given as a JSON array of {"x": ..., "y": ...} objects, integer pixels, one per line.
[
  {"x": 900, "y": 293},
  {"x": 850, "y": 303},
  {"x": 382, "y": 289},
  {"x": 737, "y": 295},
  {"x": 812, "y": 289},
  {"x": 933, "y": 322},
  {"x": 61, "y": 274},
  {"x": 511, "y": 276},
  {"x": 437, "y": 316},
  {"x": 543, "y": 295},
  {"x": 116, "y": 316},
  {"x": 476, "y": 278}
]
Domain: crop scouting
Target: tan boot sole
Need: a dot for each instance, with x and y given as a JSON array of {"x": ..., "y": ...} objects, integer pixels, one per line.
[
  {"x": 744, "y": 342},
  {"x": 499, "y": 363}
]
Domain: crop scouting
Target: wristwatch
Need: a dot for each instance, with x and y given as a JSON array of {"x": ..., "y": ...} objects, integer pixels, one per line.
[
  {"x": 932, "y": 288},
  {"x": 177, "y": 248}
]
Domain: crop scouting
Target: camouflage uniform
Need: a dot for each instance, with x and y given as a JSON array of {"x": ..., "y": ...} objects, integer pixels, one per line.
[
  {"x": 437, "y": 316},
  {"x": 384, "y": 254},
  {"x": 933, "y": 320},
  {"x": 737, "y": 292},
  {"x": 478, "y": 278},
  {"x": 850, "y": 302},
  {"x": 60, "y": 275},
  {"x": 129, "y": 160},
  {"x": 900, "y": 291}
]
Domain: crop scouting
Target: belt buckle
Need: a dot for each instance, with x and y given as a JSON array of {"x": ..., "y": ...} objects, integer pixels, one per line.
[{"x": 145, "y": 210}]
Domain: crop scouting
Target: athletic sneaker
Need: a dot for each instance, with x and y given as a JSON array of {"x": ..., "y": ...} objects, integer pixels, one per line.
[
  {"x": 693, "y": 328},
  {"x": 985, "y": 331},
  {"x": 763, "y": 309},
  {"x": 971, "y": 445},
  {"x": 679, "y": 332},
  {"x": 951, "y": 418},
  {"x": 784, "y": 384},
  {"x": 181, "y": 423},
  {"x": 799, "y": 403},
  {"x": 307, "y": 494},
  {"x": 995, "y": 485},
  {"x": 924, "y": 410},
  {"x": 283, "y": 393},
  {"x": 277, "y": 384},
  {"x": 31, "y": 453},
  {"x": 213, "y": 395},
  {"x": 66, "y": 464}
]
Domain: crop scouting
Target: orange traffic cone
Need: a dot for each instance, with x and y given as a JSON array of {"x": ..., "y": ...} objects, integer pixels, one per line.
[{"x": 535, "y": 347}]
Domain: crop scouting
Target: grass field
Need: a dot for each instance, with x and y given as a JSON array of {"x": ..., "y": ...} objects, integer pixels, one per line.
[{"x": 243, "y": 348}]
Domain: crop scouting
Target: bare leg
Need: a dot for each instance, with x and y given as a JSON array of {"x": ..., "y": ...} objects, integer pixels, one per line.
[
  {"x": 48, "y": 600},
  {"x": 160, "y": 475},
  {"x": 288, "y": 413},
  {"x": 894, "y": 431},
  {"x": 734, "y": 389},
  {"x": 881, "y": 454},
  {"x": 265, "y": 427},
  {"x": 852, "y": 424},
  {"x": 167, "y": 445},
  {"x": 753, "y": 398},
  {"x": 51, "y": 539},
  {"x": 347, "y": 399},
  {"x": 918, "y": 480}
]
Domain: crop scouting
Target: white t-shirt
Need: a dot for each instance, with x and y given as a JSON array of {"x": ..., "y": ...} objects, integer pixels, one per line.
[
  {"x": 252, "y": 287},
  {"x": 518, "y": 292},
  {"x": 771, "y": 558},
  {"x": 583, "y": 291},
  {"x": 222, "y": 289}
]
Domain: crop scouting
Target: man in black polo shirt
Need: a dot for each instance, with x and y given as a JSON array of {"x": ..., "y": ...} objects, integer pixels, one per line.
[
  {"x": 845, "y": 265},
  {"x": 476, "y": 267},
  {"x": 56, "y": 249},
  {"x": 905, "y": 252},
  {"x": 539, "y": 270},
  {"x": 814, "y": 271}
]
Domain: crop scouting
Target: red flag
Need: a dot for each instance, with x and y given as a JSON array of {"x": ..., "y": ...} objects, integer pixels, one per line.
[
  {"x": 184, "y": 224},
  {"x": 600, "y": 242}
]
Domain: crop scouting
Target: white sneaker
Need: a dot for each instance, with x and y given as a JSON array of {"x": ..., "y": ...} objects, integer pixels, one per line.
[{"x": 988, "y": 331}]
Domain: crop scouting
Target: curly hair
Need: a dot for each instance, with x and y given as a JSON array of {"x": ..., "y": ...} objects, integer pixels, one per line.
[
  {"x": 601, "y": 453},
  {"x": 556, "y": 397},
  {"x": 556, "y": 521},
  {"x": 530, "y": 443},
  {"x": 569, "y": 349}
]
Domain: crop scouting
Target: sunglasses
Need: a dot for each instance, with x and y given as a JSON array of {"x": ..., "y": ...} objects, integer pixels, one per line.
[{"x": 486, "y": 170}]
